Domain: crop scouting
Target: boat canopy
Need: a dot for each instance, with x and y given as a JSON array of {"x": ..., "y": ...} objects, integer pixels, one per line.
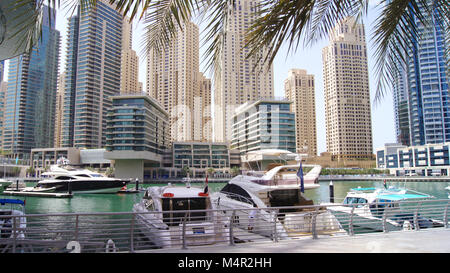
[
  {"x": 398, "y": 197},
  {"x": 12, "y": 201},
  {"x": 363, "y": 189}
]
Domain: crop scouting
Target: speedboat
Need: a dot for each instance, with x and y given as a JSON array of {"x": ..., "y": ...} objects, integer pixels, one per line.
[
  {"x": 65, "y": 178},
  {"x": 164, "y": 212},
  {"x": 279, "y": 187},
  {"x": 379, "y": 209},
  {"x": 12, "y": 222}
]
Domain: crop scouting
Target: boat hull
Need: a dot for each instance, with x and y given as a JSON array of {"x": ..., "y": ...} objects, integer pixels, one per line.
[{"x": 82, "y": 186}]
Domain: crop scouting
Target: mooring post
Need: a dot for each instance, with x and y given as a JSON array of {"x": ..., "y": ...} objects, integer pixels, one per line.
[
  {"x": 137, "y": 184},
  {"x": 331, "y": 192}
]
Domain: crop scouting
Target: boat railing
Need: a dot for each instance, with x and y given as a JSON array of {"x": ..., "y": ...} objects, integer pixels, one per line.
[{"x": 130, "y": 232}]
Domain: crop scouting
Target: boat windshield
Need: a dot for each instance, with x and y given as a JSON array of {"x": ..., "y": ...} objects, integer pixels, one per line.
[
  {"x": 194, "y": 206},
  {"x": 355, "y": 200}
]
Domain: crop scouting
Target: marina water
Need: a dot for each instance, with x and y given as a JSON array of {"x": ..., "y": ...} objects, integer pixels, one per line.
[{"x": 90, "y": 203}]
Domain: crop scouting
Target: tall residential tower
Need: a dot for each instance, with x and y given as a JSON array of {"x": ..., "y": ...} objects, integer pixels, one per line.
[
  {"x": 347, "y": 99},
  {"x": 94, "y": 48},
  {"x": 29, "y": 111},
  {"x": 299, "y": 88},
  {"x": 237, "y": 80}
]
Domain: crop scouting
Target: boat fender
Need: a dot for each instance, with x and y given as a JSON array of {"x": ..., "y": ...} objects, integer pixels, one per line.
[{"x": 110, "y": 246}]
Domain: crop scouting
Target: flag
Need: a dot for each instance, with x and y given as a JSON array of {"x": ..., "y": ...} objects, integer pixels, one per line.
[
  {"x": 300, "y": 175},
  {"x": 206, "y": 185}
]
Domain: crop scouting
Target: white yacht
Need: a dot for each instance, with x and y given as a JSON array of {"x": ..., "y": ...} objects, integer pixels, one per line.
[
  {"x": 165, "y": 211},
  {"x": 8, "y": 209},
  {"x": 65, "y": 178},
  {"x": 278, "y": 187},
  {"x": 369, "y": 207}
]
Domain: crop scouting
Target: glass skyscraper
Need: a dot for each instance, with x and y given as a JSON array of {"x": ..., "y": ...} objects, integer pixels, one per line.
[
  {"x": 92, "y": 74},
  {"x": 421, "y": 94},
  {"x": 30, "y": 95}
]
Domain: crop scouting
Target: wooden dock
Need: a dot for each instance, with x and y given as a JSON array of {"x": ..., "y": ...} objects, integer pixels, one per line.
[{"x": 38, "y": 194}]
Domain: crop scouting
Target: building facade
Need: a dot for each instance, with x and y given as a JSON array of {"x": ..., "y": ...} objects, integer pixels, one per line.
[
  {"x": 421, "y": 160},
  {"x": 421, "y": 93},
  {"x": 129, "y": 72},
  {"x": 59, "y": 109},
  {"x": 29, "y": 112},
  {"x": 137, "y": 134},
  {"x": 237, "y": 79},
  {"x": 299, "y": 88},
  {"x": 264, "y": 124},
  {"x": 347, "y": 99},
  {"x": 92, "y": 74},
  {"x": 174, "y": 80}
]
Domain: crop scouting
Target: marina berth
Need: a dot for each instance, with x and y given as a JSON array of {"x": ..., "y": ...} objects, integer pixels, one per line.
[
  {"x": 179, "y": 215},
  {"x": 383, "y": 209}
]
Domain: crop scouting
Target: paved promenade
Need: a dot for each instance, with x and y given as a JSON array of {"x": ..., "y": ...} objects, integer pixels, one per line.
[{"x": 423, "y": 241}]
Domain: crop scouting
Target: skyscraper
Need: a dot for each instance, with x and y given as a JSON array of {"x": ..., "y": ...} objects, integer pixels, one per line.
[
  {"x": 237, "y": 80},
  {"x": 299, "y": 88},
  {"x": 421, "y": 93},
  {"x": 59, "y": 108},
  {"x": 173, "y": 79},
  {"x": 30, "y": 96},
  {"x": 129, "y": 72},
  {"x": 201, "y": 113},
  {"x": 92, "y": 74},
  {"x": 347, "y": 98}
]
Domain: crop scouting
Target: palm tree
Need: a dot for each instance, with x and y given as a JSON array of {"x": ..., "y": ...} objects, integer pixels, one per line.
[{"x": 279, "y": 22}]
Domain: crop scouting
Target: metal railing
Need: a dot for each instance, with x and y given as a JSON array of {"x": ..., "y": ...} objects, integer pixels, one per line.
[{"x": 132, "y": 232}]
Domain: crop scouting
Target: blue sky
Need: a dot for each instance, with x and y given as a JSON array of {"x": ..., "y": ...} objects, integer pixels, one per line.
[{"x": 310, "y": 58}]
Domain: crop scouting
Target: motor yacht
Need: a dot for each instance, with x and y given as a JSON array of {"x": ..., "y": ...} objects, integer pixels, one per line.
[
  {"x": 379, "y": 209},
  {"x": 11, "y": 209},
  {"x": 165, "y": 211},
  {"x": 278, "y": 187},
  {"x": 65, "y": 178}
]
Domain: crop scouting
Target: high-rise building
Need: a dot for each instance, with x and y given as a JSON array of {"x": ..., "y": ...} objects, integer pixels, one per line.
[
  {"x": 2, "y": 70},
  {"x": 3, "y": 86},
  {"x": 237, "y": 79},
  {"x": 93, "y": 66},
  {"x": 421, "y": 92},
  {"x": 173, "y": 79},
  {"x": 129, "y": 74},
  {"x": 59, "y": 108},
  {"x": 30, "y": 96},
  {"x": 299, "y": 88},
  {"x": 201, "y": 113},
  {"x": 347, "y": 98}
]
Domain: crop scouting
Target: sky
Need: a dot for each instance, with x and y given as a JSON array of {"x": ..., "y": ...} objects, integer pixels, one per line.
[{"x": 310, "y": 58}]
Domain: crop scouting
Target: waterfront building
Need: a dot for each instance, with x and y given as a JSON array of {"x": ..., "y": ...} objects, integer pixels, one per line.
[
  {"x": 173, "y": 80},
  {"x": 2, "y": 70},
  {"x": 299, "y": 88},
  {"x": 237, "y": 78},
  {"x": 59, "y": 109},
  {"x": 137, "y": 134},
  {"x": 347, "y": 99},
  {"x": 423, "y": 160},
  {"x": 29, "y": 112},
  {"x": 3, "y": 86},
  {"x": 43, "y": 158},
  {"x": 264, "y": 124},
  {"x": 129, "y": 72},
  {"x": 420, "y": 91},
  {"x": 94, "y": 48}
]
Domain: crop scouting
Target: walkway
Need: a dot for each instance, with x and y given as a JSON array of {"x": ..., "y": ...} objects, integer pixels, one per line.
[{"x": 424, "y": 241}]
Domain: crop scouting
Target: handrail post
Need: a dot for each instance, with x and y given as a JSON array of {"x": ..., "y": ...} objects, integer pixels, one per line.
[
  {"x": 385, "y": 212},
  {"x": 184, "y": 246},
  {"x": 231, "y": 228},
  {"x": 416, "y": 217},
  {"x": 76, "y": 227},
  {"x": 314, "y": 223},
  {"x": 14, "y": 234},
  {"x": 133, "y": 218},
  {"x": 350, "y": 225},
  {"x": 275, "y": 234},
  {"x": 446, "y": 215}
]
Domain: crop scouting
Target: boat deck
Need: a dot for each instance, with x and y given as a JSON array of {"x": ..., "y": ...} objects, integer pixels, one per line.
[{"x": 37, "y": 194}]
